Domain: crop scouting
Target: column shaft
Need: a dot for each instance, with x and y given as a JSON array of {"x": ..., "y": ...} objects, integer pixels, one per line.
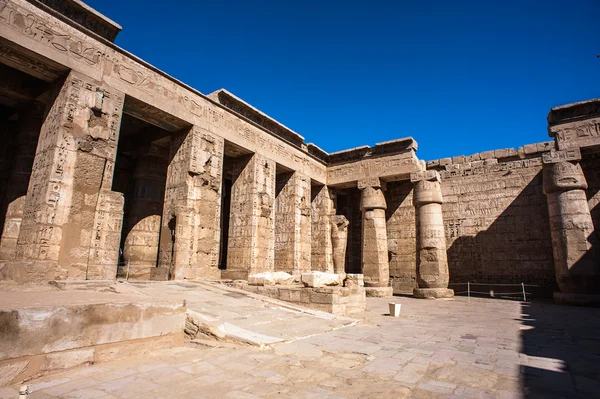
[
  {"x": 375, "y": 262},
  {"x": 191, "y": 218},
  {"x": 574, "y": 241},
  {"x": 432, "y": 260},
  {"x": 144, "y": 214},
  {"x": 293, "y": 223},
  {"x": 73, "y": 165},
  {"x": 251, "y": 247},
  {"x": 321, "y": 246}
]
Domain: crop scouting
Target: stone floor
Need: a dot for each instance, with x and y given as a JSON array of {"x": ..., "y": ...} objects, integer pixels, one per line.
[{"x": 448, "y": 348}]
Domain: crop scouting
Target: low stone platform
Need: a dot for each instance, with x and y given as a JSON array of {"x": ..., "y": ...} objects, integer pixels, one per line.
[
  {"x": 336, "y": 299},
  {"x": 45, "y": 330}
]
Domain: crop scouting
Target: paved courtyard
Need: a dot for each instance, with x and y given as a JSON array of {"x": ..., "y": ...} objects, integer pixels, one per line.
[{"x": 448, "y": 349}]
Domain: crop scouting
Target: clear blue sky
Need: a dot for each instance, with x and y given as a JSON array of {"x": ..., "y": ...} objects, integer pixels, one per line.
[{"x": 459, "y": 76}]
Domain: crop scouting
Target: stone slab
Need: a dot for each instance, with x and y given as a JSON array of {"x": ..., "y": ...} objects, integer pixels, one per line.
[{"x": 433, "y": 293}]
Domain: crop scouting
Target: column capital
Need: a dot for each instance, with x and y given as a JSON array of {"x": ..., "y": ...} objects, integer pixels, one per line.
[
  {"x": 426, "y": 175},
  {"x": 372, "y": 198},
  {"x": 374, "y": 182},
  {"x": 563, "y": 176}
]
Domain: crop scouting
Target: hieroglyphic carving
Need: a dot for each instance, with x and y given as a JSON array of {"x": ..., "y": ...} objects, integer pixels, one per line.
[
  {"x": 45, "y": 31},
  {"x": 577, "y": 134},
  {"x": 106, "y": 236},
  {"x": 396, "y": 165},
  {"x": 67, "y": 154},
  {"x": 561, "y": 156}
]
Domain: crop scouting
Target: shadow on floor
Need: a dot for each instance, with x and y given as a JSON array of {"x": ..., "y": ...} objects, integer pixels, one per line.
[{"x": 562, "y": 345}]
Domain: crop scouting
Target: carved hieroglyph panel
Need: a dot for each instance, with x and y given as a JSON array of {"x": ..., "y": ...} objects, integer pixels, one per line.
[{"x": 381, "y": 167}]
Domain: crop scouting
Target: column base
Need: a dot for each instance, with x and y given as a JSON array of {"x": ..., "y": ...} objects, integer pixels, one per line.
[
  {"x": 433, "y": 293},
  {"x": 562, "y": 298},
  {"x": 379, "y": 292}
]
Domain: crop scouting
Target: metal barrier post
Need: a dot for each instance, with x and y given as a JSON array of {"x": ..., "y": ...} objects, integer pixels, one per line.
[
  {"x": 469, "y": 290},
  {"x": 127, "y": 277},
  {"x": 524, "y": 296}
]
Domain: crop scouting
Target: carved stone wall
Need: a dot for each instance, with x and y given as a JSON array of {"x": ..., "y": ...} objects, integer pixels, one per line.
[
  {"x": 74, "y": 160},
  {"x": 292, "y": 223},
  {"x": 252, "y": 218},
  {"x": 401, "y": 231},
  {"x": 191, "y": 218}
]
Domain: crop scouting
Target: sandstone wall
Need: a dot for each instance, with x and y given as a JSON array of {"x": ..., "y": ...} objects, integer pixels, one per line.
[{"x": 495, "y": 220}]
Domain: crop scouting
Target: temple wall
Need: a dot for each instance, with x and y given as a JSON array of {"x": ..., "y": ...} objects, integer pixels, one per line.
[{"x": 495, "y": 220}]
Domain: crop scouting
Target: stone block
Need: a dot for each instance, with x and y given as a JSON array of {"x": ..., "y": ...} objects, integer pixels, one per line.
[
  {"x": 433, "y": 164},
  {"x": 474, "y": 157},
  {"x": 530, "y": 149},
  {"x": 445, "y": 161},
  {"x": 320, "y": 279},
  {"x": 271, "y": 278},
  {"x": 458, "y": 159},
  {"x": 354, "y": 280},
  {"x": 433, "y": 293},
  {"x": 486, "y": 154}
]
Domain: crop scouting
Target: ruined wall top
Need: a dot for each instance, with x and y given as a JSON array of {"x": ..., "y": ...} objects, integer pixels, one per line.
[
  {"x": 573, "y": 112},
  {"x": 84, "y": 15},
  {"x": 391, "y": 147},
  {"x": 241, "y": 107}
]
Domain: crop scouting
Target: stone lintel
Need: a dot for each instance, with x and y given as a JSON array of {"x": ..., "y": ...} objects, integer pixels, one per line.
[
  {"x": 387, "y": 168},
  {"x": 84, "y": 15},
  {"x": 429, "y": 175},
  {"x": 553, "y": 156}
]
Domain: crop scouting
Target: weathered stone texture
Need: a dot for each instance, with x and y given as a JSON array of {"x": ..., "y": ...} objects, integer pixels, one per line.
[
  {"x": 401, "y": 231},
  {"x": 575, "y": 244},
  {"x": 339, "y": 243},
  {"x": 144, "y": 212},
  {"x": 496, "y": 224},
  {"x": 321, "y": 246},
  {"x": 252, "y": 226},
  {"x": 432, "y": 261},
  {"x": 293, "y": 223},
  {"x": 74, "y": 160},
  {"x": 190, "y": 230},
  {"x": 375, "y": 266}
]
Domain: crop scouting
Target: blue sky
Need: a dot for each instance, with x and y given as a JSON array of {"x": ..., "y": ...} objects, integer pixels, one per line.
[{"x": 459, "y": 76}]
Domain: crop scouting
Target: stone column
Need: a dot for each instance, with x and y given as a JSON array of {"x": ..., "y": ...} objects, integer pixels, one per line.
[
  {"x": 251, "y": 248},
  {"x": 574, "y": 243},
  {"x": 190, "y": 233},
  {"x": 144, "y": 213},
  {"x": 339, "y": 242},
  {"x": 323, "y": 209},
  {"x": 63, "y": 219},
  {"x": 29, "y": 126},
  {"x": 375, "y": 263},
  {"x": 293, "y": 223},
  {"x": 432, "y": 260}
]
